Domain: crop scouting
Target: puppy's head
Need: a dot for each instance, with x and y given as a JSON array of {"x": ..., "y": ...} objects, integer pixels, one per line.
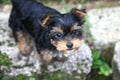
[{"x": 65, "y": 31}]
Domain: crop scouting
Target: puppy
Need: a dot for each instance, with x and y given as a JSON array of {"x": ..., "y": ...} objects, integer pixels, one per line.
[{"x": 51, "y": 30}]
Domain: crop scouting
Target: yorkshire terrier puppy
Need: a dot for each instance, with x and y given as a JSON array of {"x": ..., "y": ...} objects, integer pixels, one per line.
[{"x": 51, "y": 30}]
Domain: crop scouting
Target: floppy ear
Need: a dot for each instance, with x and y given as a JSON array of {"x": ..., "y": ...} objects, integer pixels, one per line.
[
  {"x": 79, "y": 15},
  {"x": 44, "y": 22}
]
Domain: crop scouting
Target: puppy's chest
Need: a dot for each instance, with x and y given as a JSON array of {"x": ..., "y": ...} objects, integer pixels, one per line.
[{"x": 51, "y": 56}]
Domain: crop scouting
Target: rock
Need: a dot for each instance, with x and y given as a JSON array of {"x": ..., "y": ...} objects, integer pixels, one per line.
[
  {"x": 78, "y": 62},
  {"x": 105, "y": 29},
  {"x": 21, "y": 64},
  {"x": 116, "y": 62},
  {"x": 105, "y": 26},
  {"x": 7, "y": 8}
]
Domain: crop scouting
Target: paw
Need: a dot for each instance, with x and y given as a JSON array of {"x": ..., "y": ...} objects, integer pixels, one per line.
[
  {"x": 46, "y": 56},
  {"x": 25, "y": 50},
  {"x": 24, "y": 43}
]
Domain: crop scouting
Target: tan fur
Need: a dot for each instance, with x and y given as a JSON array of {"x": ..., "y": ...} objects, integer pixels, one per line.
[
  {"x": 45, "y": 21},
  {"x": 46, "y": 56},
  {"x": 76, "y": 43},
  {"x": 80, "y": 13},
  {"x": 24, "y": 43},
  {"x": 75, "y": 27},
  {"x": 61, "y": 45}
]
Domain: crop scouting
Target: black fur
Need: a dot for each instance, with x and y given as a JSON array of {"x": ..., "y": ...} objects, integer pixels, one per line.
[{"x": 24, "y": 18}]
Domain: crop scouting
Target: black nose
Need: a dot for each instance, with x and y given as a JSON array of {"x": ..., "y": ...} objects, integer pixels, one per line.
[{"x": 69, "y": 45}]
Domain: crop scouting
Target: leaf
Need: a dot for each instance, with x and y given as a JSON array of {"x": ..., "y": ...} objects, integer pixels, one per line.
[
  {"x": 97, "y": 62},
  {"x": 96, "y": 55},
  {"x": 105, "y": 69}
]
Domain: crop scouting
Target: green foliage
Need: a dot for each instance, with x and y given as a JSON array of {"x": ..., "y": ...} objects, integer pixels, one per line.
[
  {"x": 102, "y": 66},
  {"x": 5, "y": 66},
  {"x": 5, "y": 61},
  {"x": 5, "y": 1}
]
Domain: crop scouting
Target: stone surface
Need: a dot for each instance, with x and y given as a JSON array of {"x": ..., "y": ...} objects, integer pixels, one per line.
[
  {"x": 8, "y": 46},
  {"x": 105, "y": 30},
  {"x": 105, "y": 26},
  {"x": 78, "y": 62},
  {"x": 116, "y": 62}
]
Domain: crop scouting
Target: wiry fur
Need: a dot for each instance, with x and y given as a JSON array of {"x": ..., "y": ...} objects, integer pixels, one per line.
[{"x": 27, "y": 16}]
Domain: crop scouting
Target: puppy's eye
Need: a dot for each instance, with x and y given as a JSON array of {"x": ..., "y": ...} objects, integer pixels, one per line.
[
  {"x": 76, "y": 32},
  {"x": 56, "y": 35},
  {"x": 59, "y": 35}
]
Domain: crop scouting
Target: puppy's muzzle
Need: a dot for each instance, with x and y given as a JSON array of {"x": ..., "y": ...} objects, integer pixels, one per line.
[{"x": 69, "y": 46}]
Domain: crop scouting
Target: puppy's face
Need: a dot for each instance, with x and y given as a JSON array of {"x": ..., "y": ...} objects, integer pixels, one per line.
[
  {"x": 66, "y": 38},
  {"x": 65, "y": 30}
]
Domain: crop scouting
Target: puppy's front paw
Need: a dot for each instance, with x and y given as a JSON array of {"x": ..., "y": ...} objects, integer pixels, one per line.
[
  {"x": 24, "y": 43},
  {"x": 47, "y": 56},
  {"x": 25, "y": 49}
]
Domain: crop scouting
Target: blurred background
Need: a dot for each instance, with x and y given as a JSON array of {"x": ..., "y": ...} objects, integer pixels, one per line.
[{"x": 101, "y": 33}]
